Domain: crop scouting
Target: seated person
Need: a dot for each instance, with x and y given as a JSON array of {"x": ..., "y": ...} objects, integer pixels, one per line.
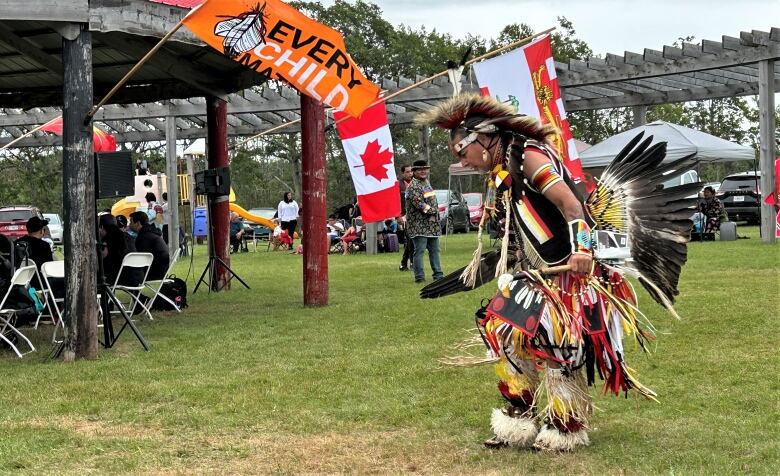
[
  {"x": 391, "y": 226},
  {"x": 149, "y": 240},
  {"x": 236, "y": 232},
  {"x": 335, "y": 229},
  {"x": 350, "y": 238},
  {"x": 280, "y": 237},
  {"x": 712, "y": 209},
  {"x": 32, "y": 246},
  {"x": 128, "y": 235},
  {"x": 114, "y": 250}
]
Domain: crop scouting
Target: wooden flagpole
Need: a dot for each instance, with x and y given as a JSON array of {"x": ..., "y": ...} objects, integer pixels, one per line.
[
  {"x": 411, "y": 86},
  {"x": 28, "y": 133}
]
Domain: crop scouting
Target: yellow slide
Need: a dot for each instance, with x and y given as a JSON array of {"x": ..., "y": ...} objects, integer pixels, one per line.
[{"x": 253, "y": 218}]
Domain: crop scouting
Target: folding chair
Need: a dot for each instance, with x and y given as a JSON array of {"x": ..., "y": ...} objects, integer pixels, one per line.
[
  {"x": 53, "y": 269},
  {"x": 21, "y": 277},
  {"x": 134, "y": 261},
  {"x": 155, "y": 285}
]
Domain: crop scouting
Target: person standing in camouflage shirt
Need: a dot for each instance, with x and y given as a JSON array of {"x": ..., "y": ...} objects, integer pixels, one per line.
[{"x": 422, "y": 221}]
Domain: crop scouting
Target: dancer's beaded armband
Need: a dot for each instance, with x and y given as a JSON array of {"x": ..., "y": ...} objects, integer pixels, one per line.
[
  {"x": 545, "y": 177},
  {"x": 581, "y": 237}
]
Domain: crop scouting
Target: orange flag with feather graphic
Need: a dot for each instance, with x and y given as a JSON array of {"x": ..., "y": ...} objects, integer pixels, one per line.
[{"x": 279, "y": 42}]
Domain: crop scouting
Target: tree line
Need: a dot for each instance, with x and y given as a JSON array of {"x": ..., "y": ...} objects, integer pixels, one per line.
[{"x": 264, "y": 169}]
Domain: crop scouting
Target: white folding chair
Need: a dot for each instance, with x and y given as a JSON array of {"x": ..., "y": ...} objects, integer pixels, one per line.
[
  {"x": 155, "y": 285},
  {"x": 141, "y": 261},
  {"x": 53, "y": 269},
  {"x": 21, "y": 277}
]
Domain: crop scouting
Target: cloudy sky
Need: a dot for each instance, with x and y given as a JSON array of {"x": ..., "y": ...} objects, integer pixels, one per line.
[{"x": 608, "y": 26}]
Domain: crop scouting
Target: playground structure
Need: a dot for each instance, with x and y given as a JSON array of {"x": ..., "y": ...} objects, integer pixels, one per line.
[{"x": 157, "y": 184}]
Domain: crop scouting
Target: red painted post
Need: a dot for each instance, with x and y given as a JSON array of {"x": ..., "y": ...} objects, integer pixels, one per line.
[
  {"x": 314, "y": 183},
  {"x": 216, "y": 118}
]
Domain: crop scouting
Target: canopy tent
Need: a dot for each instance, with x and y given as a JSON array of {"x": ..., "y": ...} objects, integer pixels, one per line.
[
  {"x": 198, "y": 147},
  {"x": 681, "y": 141}
]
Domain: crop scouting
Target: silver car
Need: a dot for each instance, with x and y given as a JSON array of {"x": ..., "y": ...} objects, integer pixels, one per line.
[{"x": 55, "y": 226}]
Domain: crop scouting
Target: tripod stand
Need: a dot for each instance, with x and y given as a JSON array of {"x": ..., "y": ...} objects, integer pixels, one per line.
[{"x": 214, "y": 261}]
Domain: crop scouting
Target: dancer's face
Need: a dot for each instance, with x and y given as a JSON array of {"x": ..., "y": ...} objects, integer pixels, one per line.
[{"x": 474, "y": 156}]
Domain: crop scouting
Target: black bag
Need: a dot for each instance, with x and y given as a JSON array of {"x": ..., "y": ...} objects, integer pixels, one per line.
[{"x": 176, "y": 291}]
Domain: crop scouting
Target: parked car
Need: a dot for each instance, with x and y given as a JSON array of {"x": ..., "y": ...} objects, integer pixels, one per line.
[
  {"x": 456, "y": 216},
  {"x": 690, "y": 176},
  {"x": 474, "y": 202},
  {"x": 740, "y": 195},
  {"x": 55, "y": 227},
  {"x": 265, "y": 212},
  {"x": 13, "y": 220}
]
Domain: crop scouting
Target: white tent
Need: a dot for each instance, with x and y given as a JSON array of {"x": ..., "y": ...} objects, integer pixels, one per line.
[
  {"x": 681, "y": 141},
  {"x": 198, "y": 147}
]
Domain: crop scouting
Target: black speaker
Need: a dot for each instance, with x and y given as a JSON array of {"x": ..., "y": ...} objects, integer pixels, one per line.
[
  {"x": 213, "y": 182},
  {"x": 115, "y": 174}
]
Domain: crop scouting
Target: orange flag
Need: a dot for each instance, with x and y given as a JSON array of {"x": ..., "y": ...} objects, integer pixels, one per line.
[{"x": 280, "y": 42}]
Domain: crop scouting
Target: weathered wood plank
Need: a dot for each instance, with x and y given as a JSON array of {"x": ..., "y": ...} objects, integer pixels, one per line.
[
  {"x": 767, "y": 86},
  {"x": 78, "y": 197},
  {"x": 45, "y": 10}
]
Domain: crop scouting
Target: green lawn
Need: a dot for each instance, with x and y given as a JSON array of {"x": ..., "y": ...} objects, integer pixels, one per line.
[{"x": 250, "y": 381}]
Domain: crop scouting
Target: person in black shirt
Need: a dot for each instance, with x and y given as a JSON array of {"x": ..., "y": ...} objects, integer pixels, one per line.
[
  {"x": 33, "y": 247},
  {"x": 149, "y": 240}
]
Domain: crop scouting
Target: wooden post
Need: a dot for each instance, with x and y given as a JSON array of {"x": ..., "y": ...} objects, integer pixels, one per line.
[
  {"x": 371, "y": 244},
  {"x": 172, "y": 173},
  {"x": 315, "y": 244},
  {"x": 219, "y": 221},
  {"x": 425, "y": 143},
  {"x": 78, "y": 198},
  {"x": 193, "y": 198},
  {"x": 639, "y": 114},
  {"x": 766, "y": 121}
]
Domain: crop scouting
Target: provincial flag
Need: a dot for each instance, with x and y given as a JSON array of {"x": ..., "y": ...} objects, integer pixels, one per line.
[
  {"x": 279, "y": 42},
  {"x": 369, "y": 150},
  {"x": 526, "y": 79}
]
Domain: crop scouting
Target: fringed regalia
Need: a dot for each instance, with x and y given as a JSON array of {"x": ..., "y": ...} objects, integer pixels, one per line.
[{"x": 546, "y": 330}]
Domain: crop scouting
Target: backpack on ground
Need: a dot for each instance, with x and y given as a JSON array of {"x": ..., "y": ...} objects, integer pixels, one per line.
[{"x": 176, "y": 290}]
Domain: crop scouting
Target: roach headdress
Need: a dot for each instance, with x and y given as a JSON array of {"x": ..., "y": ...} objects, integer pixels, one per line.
[{"x": 483, "y": 114}]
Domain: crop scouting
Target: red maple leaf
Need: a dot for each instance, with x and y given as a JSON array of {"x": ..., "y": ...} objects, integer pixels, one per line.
[{"x": 375, "y": 159}]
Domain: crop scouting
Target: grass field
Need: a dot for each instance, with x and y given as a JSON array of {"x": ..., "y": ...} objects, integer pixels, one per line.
[{"x": 250, "y": 381}]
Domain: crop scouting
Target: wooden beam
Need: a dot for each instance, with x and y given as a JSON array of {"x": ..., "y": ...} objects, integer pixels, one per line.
[
  {"x": 673, "y": 96},
  {"x": 767, "y": 86},
  {"x": 180, "y": 68},
  {"x": 45, "y": 10},
  {"x": 30, "y": 50},
  {"x": 618, "y": 70}
]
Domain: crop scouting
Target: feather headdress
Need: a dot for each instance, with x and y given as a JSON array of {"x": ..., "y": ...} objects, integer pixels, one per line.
[{"x": 452, "y": 114}]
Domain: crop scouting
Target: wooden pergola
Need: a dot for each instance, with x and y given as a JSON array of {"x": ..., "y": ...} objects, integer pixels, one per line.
[{"x": 57, "y": 53}]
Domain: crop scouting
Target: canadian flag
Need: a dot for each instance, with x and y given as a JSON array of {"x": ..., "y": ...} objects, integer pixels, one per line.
[
  {"x": 526, "y": 79},
  {"x": 369, "y": 150}
]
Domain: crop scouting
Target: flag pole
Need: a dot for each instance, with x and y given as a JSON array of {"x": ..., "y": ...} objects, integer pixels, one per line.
[
  {"x": 407, "y": 88},
  {"x": 29, "y": 133},
  {"x": 134, "y": 69}
]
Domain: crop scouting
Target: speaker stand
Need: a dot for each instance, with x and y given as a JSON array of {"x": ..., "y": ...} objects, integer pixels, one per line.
[{"x": 214, "y": 262}]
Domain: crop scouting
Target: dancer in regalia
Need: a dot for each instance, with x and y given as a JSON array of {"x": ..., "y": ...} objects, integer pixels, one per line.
[{"x": 551, "y": 333}]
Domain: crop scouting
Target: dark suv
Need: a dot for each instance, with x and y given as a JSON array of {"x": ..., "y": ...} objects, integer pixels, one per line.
[
  {"x": 456, "y": 216},
  {"x": 741, "y": 197},
  {"x": 13, "y": 220}
]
